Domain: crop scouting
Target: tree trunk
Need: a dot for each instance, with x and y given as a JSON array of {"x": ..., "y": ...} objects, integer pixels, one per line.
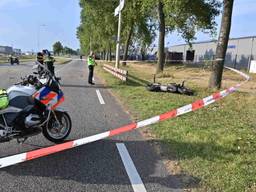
[
  {"x": 161, "y": 18},
  {"x": 218, "y": 64},
  {"x": 104, "y": 54},
  {"x": 107, "y": 55},
  {"x": 127, "y": 43},
  {"x": 110, "y": 52},
  {"x": 143, "y": 52}
]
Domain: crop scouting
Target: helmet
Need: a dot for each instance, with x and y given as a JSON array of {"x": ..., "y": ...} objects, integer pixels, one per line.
[
  {"x": 46, "y": 52},
  {"x": 40, "y": 57}
]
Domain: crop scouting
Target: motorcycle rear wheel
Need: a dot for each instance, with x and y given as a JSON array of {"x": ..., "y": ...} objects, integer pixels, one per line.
[
  {"x": 58, "y": 132},
  {"x": 185, "y": 91}
]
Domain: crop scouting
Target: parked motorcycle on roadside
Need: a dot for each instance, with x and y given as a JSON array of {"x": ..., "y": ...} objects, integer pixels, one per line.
[
  {"x": 33, "y": 108},
  {"x": 14, "y": 60}
]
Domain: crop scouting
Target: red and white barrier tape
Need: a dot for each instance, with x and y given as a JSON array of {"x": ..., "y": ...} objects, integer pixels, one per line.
[{"x": 14, "y": 159}]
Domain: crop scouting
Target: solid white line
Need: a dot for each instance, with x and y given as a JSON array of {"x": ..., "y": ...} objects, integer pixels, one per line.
[
  {"x": 102, "y": 102},
  {"x": 130, "y": 168}
]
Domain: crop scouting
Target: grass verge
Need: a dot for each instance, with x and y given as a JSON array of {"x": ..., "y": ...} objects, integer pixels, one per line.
[
  {"x": 215, "y": 145},
  {"x": 59, "y": 60},
  {"x": 62, "y": 60}
]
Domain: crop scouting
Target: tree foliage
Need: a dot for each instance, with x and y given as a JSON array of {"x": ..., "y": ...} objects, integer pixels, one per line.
[
  {"x": 141, "y": 21},
  {"x": 57, "y": 48},
  {"x": 186, "y": 17},
  {"x": 98, "y": 27},
  {"x": 69, "y": 51}
]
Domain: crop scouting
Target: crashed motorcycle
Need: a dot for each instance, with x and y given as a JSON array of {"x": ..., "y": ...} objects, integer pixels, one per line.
[
  {"x": 31, "y": 107},
  {"x": 171, "y": 88}
]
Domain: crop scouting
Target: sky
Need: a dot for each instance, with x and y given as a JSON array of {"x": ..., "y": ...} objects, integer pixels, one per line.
[
  {"x": 33, "y": 24},
  {"x": 243, "y": 23},
  {"x": 24, "y": 23}
]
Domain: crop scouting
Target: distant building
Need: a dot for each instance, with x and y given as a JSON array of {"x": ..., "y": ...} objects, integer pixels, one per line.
[
  {"x": 17, "y": 51},
  {"x": 29, "y": 53},
  {"x": 6, "y": 50},
  {"x": 240, "y": 52},
  {"x": 152, "y": 52}
]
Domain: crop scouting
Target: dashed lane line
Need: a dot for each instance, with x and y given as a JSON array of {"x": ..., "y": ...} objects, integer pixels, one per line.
[
  {"x": 130, "y": 168},
  {"x": 102, "y": 102}
]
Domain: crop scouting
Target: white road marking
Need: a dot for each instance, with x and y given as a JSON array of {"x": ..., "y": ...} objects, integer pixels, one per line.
[
  {"x": 130, "y": 168},
  {"x": 102, "y": 102}
]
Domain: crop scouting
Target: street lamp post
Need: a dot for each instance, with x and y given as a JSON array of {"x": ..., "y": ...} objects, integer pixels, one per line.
[
  {"x": 118, "y": 12},
  {"x": 38, "y": 36}
]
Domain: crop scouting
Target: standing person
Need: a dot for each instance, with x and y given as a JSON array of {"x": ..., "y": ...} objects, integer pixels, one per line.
[
  {"x": 91, "y": 63},
  {"x": 49, "y": 61},
  {"x": 40, "y": 59}
]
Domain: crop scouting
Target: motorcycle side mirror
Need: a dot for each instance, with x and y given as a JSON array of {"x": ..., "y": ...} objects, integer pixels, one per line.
[{"x": 183, "y": 82}]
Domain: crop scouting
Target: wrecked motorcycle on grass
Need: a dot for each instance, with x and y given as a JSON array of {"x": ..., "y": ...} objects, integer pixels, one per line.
[{"x": 171, "y": 88}]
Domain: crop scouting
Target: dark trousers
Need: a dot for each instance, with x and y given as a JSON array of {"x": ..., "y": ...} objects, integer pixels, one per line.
[
  {"x": 50, "y": 67},
  {"x": 91, "y": 68}
]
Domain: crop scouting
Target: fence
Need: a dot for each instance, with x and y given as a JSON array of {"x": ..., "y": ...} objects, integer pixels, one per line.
[{"x": 119, "y": 73}]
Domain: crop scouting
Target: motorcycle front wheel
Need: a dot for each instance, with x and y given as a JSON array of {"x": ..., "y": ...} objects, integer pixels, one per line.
[{"x": 57, "y": 130}]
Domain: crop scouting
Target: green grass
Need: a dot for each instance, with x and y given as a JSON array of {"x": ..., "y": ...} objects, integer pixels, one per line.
[
  {"x": 23, "y": 58},
  {"x": 215, "y": 145},
  {"x": 62, "y": 60}
]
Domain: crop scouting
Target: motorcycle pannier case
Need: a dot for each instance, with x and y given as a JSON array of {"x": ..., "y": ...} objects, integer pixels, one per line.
[{"x": 4, "y": 101}]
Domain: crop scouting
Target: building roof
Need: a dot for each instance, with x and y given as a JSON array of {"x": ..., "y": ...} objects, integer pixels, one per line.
[{"x": 212, "y": 41}]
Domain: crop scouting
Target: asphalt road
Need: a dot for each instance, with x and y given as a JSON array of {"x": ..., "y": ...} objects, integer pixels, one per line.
[{"x": 96, "y": 166}]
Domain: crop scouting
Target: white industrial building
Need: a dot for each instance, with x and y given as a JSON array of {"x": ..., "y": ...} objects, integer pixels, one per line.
[{"x": 240, "y": 52}]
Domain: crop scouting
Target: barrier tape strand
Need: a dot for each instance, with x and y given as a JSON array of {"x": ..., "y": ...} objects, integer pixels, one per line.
[{"x": 19, "y": 158}]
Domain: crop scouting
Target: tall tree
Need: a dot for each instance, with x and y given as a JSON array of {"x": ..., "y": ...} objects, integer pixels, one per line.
[
  {"x": 218, "y": 64},
  {"x": 57, "y": 48},
  {"x": 97, "y": 25},
  {"x": 136, "y": 26},
  {"x": 186, "y": 16}
]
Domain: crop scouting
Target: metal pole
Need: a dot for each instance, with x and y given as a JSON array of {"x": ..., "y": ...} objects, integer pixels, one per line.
[
  {"x": 251, "y": 56},
  {"x": 118, "y": 41},
  {"x": 38, "y": 36},
  {"x": 90, "y": 45}
]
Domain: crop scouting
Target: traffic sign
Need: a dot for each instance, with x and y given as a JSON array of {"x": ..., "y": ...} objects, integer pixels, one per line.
[{"x": 119, "y": 8}]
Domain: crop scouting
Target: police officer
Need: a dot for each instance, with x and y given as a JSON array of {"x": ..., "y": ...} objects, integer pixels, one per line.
[
  {"x": 49, "y": 61},
  {"x": 40, "y": 59},
  {"x": 91, "y": 63}
]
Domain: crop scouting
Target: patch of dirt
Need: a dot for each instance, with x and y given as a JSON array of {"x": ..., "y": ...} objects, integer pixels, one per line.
[{"x": 170, "y": 161}]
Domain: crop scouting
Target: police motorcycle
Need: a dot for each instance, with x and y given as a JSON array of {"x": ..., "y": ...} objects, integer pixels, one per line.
[{"x": 33, "y": 108}]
